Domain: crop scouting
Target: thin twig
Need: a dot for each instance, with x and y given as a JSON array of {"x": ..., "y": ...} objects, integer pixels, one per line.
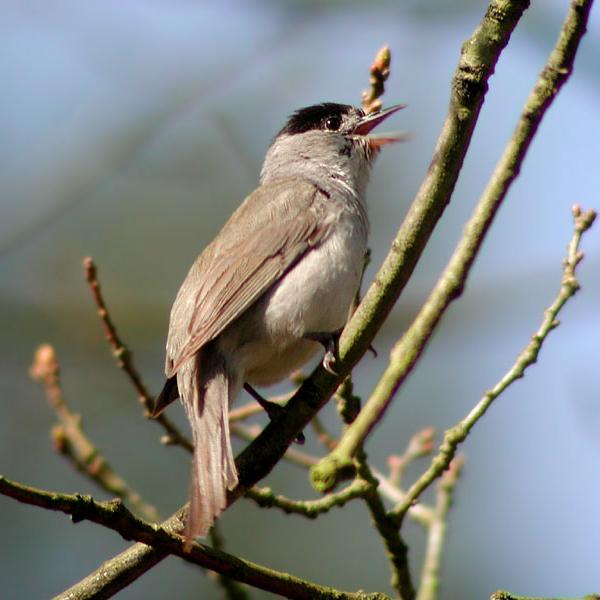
[
  {"x": 419, "y": 513},
  {"x": 407, "y": 351},
  {"x": 241, "y": 413},
  {"x": 396, "y": 549},
  {"x": 421, "y": 444},
  {"x": 72, "y": 442},
  {"x": 436, "y": 535},
  {"x": 124, "y": 360},
  {"x": 457, "y": 434},
  {"x": 265, "y": 498},
  {"x": 114, "y": 515},
  {"x": 323, "y": 435}
]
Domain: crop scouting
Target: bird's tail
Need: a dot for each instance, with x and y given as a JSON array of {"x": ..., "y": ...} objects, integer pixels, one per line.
[{"x": 206, "y": 396}]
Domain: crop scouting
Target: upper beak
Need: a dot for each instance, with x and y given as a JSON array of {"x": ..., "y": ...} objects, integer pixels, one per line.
[{"x": 371, "y": 121}]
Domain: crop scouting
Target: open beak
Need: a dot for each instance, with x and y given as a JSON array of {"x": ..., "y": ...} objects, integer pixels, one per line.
[{"x": 371, "y": 121}]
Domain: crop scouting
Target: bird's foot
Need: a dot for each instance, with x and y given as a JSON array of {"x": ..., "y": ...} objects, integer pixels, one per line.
[
  {"x": 273, "y": 409},
  {"x": 329, "y": 341}
]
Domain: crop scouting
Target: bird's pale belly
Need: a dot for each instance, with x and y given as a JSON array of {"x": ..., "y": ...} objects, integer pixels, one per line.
[
  {"x": 313, "y": 297},
  {"x": 272, "y": 363}
]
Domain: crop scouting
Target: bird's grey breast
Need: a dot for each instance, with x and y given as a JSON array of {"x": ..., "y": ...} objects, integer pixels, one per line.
[
  {"x": 313, "y": 296},
  {"x": 316, "y": 293}
]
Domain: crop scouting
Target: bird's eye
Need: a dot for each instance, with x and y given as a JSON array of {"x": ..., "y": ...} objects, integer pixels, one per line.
[{"x": 333, "y": 123}]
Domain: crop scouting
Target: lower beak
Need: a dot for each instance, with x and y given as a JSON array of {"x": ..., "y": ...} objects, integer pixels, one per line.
[{"x": 377, "y": 140}]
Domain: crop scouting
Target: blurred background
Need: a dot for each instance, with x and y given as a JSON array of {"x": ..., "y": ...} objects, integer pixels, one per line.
[{"x": 131, "y": 130}]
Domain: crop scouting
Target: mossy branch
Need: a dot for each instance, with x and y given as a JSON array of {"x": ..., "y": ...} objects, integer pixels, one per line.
[
  {"x": 114, "y": 515},
  {"x": 311, "y": 509}
]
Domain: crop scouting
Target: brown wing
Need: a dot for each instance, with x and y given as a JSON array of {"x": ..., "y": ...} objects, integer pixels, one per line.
[{"x": 268, "y": 233}]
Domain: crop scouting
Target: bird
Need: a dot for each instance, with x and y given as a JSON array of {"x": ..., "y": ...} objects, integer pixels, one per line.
[{"x": 275, "y": 285}]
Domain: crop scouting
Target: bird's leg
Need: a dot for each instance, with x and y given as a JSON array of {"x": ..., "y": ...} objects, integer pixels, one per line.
[
  {"x": 329, "y": 341},
  {"x": 271, "y": 408}
]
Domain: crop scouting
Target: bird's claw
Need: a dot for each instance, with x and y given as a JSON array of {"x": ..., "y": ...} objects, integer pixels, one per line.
[
  {"x": 330, "y": 342},
  {"x": 329, "y": 361}
]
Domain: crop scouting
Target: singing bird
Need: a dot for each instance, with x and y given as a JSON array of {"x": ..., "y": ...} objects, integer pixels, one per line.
[{"x": 276, "y": 282}]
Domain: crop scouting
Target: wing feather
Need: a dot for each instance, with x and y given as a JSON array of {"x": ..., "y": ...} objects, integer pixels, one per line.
[{"x": 268, "y": 233}]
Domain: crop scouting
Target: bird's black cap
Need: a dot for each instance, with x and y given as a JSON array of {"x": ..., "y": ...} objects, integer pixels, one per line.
[{"x": 315, "y": 117}]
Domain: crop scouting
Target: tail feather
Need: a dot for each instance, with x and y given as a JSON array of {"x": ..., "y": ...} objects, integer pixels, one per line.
[{"x": 206, "y": 396}]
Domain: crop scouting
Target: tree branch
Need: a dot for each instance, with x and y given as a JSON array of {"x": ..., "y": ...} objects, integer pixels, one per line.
[
  {"x": 124, "y": 360},
  {"x": 504, "y": 595},
  {"x": 311, "y": 509},
  {"x": 396, "y": 549},
  {"x": 115, "y": 574},
  {"x": 420, "y": 444},
  {"x": 323, "y": 435},
  {"x": 114, "y": 515},
  {"x": 430, "y": 573},
  {"x": 450, "y": 285},
  {"x": 420, "y": 513},
  {"x": 457, "y": 434},
  {"x": 72, "y": 442}
]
